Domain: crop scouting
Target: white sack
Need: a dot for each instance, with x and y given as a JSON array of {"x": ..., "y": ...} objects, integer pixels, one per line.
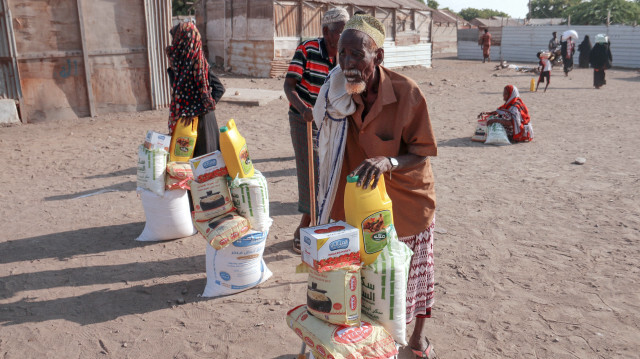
[
  {"x": 384, "y": 288},
  {"x": 251, "y": 198},
  {"x": 152, "y": 168},
  {"x": 496, "y": 135},
  {"x": 168, "y": 217},
  {"x": 237, "y": 267}
]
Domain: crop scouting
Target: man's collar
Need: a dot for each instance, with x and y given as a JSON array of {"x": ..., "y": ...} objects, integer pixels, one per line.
[
  {"x": 323, "y": 48},
  {"x": 385, "y": 88}
]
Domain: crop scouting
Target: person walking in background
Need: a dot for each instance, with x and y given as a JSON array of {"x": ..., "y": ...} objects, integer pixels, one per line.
[
  {"x": 585, "y": 51},
  {"x": 195, "y": 88},
  {"x": 600, "y": 59},
  {"x": 485, "y": 43},
  {"x": 307, "y": 71},
  {"x": 567, "y": 51},
  {"x": 545, "y": 70},
  {"x": 554, "y": 42}
]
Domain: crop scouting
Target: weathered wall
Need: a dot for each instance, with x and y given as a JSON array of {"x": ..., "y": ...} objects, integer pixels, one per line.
[
  {"x": 51, "y": 66},
  {"x": 240, "y": 35},
  {"x": 445, "y": 39},
  {"x": 56, "y": 40},
  {"x": 116, "y": 41}
]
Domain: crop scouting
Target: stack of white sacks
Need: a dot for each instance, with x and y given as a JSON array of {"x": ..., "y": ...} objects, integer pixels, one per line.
[{"x": 232, "y": 214}]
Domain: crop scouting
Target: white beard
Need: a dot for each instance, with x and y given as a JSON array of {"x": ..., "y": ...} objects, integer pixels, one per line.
[{"x": 354, "y": 88}]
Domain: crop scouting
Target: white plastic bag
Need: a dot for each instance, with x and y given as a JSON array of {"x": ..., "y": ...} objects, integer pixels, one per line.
[
  {"x": 251, "y": 198},
  {"x": 496, "y": 135},
  {"x": 168, "y": 217},
  {"x": 237, "y": 267},
  {"x": 384, "y": 288},
  {"x": 152, "y": 168}
]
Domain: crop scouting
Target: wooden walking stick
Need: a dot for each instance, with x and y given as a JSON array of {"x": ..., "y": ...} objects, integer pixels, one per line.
[{"x": 312, "y": 182}]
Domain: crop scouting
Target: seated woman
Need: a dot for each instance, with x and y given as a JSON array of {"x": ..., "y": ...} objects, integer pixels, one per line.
[{"x": 513, "y": 116}]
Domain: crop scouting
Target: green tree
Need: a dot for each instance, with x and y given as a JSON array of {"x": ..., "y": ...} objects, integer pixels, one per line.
[
  {"x": 471, "y": 13},
  {"x": 595, "y": 12},
  {"x": 544, "y": 9},
  {"x": 182, "y": 7},
  {"x": 432, "y": 4}
]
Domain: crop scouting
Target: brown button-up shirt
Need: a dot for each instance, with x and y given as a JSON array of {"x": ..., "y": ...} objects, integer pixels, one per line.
[{"x": 397, "y": 123}]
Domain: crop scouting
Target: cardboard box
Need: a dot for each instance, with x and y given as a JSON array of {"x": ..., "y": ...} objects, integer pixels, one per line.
[
  {"x": 157, "y": 141},
  {"x": 208, "y": 166},
  {"x": 330, "y": 246}
]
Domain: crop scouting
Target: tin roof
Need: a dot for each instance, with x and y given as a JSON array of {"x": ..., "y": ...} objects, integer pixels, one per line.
[
  {"x": 446, "y": 16},
  {"x": 389, "y": 4}
]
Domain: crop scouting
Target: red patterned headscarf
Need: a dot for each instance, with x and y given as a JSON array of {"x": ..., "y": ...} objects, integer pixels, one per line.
[
  {"x": 519, "y": 122},
  {"x": 191, "y": 91},
  {"x": 515, "y": 100}
]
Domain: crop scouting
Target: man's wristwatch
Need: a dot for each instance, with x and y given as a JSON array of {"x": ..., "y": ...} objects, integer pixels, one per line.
[{"x": 394, "y": 163}]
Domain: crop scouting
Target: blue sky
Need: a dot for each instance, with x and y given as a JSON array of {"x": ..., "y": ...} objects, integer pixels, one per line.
[{"x": 515, "y": 8}]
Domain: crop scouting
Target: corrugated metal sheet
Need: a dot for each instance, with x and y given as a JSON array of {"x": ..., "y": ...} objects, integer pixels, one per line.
[
  {"x": 158, "y": 18},
  {"x": 522, "y": 43},
  {"x": 9, "y": 75},
  {"x": 470, "y": 50},
  {"x": 248, "y": 57},
  {"x": 410, "y": 55}
]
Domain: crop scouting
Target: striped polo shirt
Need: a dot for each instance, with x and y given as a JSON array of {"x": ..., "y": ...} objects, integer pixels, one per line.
[{"x": 310, "y": 66}]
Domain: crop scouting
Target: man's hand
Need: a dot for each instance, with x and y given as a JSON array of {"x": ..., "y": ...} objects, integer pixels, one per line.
[
  {"x": 371, "y": 169},
  {"x": 307, "y": 114}
]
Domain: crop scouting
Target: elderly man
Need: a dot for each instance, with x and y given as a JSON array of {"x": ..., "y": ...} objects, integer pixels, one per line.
[
  {"x": 310, "y": 65},
  {"x": 390, "y": 135}
]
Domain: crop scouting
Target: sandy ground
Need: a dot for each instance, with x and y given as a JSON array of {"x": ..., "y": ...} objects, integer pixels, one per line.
[{"x": 536, "y": 257}]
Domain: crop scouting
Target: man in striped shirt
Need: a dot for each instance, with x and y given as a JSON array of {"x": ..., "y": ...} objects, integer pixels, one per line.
[{"x": 309, "y": 67}]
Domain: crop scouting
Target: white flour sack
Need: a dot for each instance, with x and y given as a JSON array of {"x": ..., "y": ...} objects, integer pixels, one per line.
[
  {"x": 168, "y": 217},
  {"x": 152, "y": 168},
  {"x": 251, "y": 198},
  {"x": 384, "y": 288},
  {"x": 237, "y": 267}
]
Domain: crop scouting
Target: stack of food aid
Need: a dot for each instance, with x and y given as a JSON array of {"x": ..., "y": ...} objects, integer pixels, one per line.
[
  {"x": 332, "y": 323},
  {"x": 163, "y": 189},
  {"x": 230, "y": 206}
]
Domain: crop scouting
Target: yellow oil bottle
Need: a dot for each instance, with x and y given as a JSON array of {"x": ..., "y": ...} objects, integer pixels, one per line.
[
  {"x": 532, "y": 85},
  {"x": 234, "y": 151},
  {"x": 183, "y": 141},
  {"x": 370, "y": 211}
]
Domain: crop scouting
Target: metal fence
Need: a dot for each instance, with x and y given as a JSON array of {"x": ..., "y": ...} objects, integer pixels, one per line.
[{"x": 521, "y": 43}]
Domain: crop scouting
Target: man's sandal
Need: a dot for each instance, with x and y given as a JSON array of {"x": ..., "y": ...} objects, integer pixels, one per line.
[
  {"x": 428, "y": 353},
  {"x": 296, "y": 245}
]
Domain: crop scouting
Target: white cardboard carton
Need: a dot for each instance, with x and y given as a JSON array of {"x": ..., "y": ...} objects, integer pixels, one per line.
[
  {"x": 330, "y": 246},
  {"x": 208, "y": 166},
  {"x": 157, "y": 141}
]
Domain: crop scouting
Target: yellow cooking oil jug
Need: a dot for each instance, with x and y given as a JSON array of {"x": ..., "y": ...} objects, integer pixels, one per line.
[
  {"x": 234, "y": 151},
  {"x": 183, "y": 141},
  {"x": 370, "y": 211}
]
